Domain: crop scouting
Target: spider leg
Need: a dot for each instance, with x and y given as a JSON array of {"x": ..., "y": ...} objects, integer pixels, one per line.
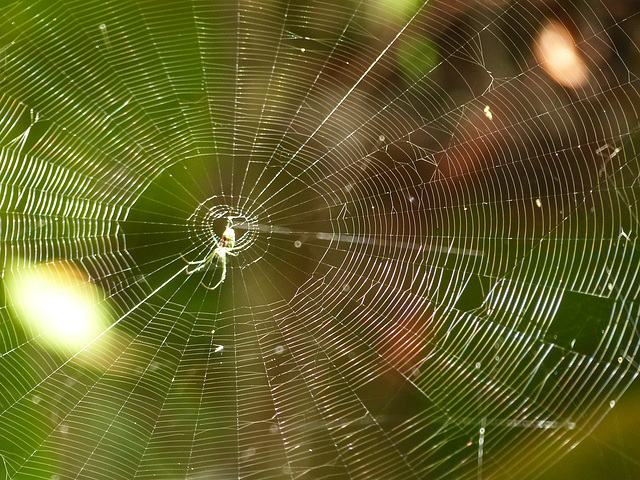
[
  {"x": 186, "y": 269},
  {"x": 222, "y": 277},
  {"x": 234, "y": 250},
  {"x": 194, "y": 262}
]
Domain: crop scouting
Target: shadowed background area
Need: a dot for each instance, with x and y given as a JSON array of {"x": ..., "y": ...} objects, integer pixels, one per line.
[{"x": 319, "y": 239}]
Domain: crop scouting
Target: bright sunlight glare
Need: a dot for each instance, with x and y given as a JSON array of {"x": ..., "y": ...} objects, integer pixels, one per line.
[
  {"x": 556, "y": 51},
  {"x": 59, "y": 304}
]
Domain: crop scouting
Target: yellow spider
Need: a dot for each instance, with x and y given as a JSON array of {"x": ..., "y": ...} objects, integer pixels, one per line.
[{"x": 226, "y": 246}]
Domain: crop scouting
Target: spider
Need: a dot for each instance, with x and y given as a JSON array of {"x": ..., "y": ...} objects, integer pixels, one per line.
[{"x": 226, "y": 246}]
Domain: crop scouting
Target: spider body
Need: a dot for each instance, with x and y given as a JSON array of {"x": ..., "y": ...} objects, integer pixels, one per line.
[
  {"x": 228, "y": 238},
  {"x": 225, "y": 246}
]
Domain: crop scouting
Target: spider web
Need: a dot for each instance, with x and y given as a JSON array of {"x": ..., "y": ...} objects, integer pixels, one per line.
[{"x": 436, "y": 271}]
